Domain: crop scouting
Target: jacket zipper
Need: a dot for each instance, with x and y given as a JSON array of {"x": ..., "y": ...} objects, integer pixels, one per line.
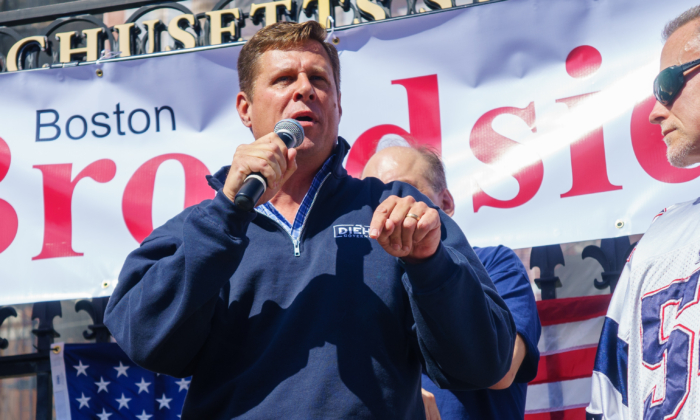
[
  {"x": 274, "y": 222},
  {"x": 297, "y": 243}
]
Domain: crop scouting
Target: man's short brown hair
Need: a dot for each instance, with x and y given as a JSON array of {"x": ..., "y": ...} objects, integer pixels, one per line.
[{"x": 282, "y": 36}]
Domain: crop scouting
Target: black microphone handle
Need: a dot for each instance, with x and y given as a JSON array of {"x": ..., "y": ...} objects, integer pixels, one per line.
[
  {"x": 253, "y": 188},
  {"x": 255, "y": 184}
]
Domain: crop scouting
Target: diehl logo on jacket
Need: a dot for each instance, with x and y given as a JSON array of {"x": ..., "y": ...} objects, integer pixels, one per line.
[{"x": 350, "y": 231}]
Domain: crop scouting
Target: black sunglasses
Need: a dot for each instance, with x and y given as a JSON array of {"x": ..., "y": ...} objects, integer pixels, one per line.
[{"x": 670, "y": 81}]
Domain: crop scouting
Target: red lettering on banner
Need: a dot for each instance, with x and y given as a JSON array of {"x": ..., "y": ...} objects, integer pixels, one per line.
[
  {"x": 137, "y": 203},
  {"x": 588, "y": 166},
  {"x": 58, "y": 198},
  {"x": 8, "y": 215},
  {"x": 583, "y": 61},
  {"x": 491, "y": 148},
  {"x": 650, "y": 149},
  {"x": 423, "y": 117}
]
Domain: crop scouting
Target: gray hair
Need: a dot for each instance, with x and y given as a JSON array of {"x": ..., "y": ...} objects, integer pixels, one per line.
[
  {"x": 685, "y": 17},
  {"x": 436, "y": 169}
]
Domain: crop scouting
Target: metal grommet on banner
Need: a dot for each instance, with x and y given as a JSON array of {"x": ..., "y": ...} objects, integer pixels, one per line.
[
  {"x": 331, "y": 36},
  {"x": 105, "y": 284},
  {"x": 619, "y": 224},
  {"x": 56, "y": 349},
  {"x": 98, "y": 72}
]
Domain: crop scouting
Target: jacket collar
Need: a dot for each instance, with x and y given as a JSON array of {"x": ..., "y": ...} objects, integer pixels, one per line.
[{"x": 217, "y": 180}]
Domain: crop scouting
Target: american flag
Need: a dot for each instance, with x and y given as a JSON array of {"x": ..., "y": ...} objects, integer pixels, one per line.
[
  {"x": 99, "y": 381},
  {"x": 570, "y": 332}
]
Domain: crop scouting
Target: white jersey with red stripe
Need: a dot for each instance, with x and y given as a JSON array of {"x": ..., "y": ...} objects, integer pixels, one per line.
[{"x": 647, "y": 364}]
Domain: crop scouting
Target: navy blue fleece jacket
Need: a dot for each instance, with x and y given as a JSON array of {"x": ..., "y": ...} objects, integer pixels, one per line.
[{"x": 339, "y": 331}]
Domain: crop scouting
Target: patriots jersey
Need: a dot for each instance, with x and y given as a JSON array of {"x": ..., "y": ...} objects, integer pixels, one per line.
[{"x": 647, "y": 365}]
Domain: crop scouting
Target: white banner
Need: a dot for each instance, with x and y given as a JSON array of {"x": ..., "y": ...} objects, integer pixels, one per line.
[{"x": 539, "y": 109}]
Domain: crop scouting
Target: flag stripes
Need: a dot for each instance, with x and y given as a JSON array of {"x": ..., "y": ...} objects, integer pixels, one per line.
[
  {"x": 570, "y": 414},
  {"x": 566, "y": 310},
  {"x": 570, "y": 332},
  {"x": 565, "y": 366}
]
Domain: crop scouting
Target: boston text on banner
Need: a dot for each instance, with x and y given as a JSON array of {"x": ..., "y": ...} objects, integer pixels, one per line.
[{"x": 539, "y": 109}]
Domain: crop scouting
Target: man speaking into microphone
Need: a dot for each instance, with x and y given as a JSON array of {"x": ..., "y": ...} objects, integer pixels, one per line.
[{"x": 325, "y": 299}]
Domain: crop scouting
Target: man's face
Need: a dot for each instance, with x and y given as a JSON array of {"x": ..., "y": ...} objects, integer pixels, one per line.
[
  {"x": 295, "y": 84},
  {"x": 680, "y": 121}
]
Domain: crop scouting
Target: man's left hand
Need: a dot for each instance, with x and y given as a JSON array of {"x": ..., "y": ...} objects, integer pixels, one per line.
[{"x": 406, "y": 228}]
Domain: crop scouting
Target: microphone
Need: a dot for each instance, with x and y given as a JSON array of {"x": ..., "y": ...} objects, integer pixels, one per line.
[{"x": 254, "y": 186}]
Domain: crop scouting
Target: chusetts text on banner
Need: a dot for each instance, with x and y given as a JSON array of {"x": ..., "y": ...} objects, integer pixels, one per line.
[{"x": 539, "y": 108}]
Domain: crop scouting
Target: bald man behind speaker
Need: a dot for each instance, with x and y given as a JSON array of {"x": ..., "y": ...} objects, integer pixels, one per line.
[{"x": 422, "y": 168}]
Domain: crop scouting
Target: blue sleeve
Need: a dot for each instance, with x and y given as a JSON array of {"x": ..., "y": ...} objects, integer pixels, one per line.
[
  {"x": 611, "y": 358},
  {"x": 513, "y": 284},
  {"x": 609, "y": 381},
  {"x": 465, "y": 332},
  {"x": 170, "y": 286}
]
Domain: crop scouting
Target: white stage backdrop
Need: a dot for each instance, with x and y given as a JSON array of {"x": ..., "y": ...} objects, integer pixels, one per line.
[{"x": 539, "y": 108}]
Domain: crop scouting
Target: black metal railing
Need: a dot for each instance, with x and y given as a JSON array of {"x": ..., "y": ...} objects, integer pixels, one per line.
[
  {"x": 54, "y": 11},
  {"x": 38, "y": 364}
]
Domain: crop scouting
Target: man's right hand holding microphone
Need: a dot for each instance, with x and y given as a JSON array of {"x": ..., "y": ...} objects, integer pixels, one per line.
[{"x": 271, "y": 157}]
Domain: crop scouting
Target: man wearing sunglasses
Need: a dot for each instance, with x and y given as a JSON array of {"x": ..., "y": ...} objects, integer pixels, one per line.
[
  {"x": 647, "y": 365},
  {"x": 677, "y": 91}
]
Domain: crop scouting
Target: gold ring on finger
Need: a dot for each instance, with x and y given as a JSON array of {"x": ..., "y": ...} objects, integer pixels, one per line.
[{"x": 414, "y": 216}]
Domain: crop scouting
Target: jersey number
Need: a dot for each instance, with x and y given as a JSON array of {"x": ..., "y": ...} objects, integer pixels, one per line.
[{"x": 668, "y": 345}]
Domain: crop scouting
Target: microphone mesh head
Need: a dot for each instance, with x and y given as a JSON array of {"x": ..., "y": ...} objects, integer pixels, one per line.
[{"x": 293, "y": 129}]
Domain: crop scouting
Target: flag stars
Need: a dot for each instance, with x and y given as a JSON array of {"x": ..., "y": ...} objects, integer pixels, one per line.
[
  {"x": 83, "y": 400},
  {"x": 105, "y": 415},
  {"x": 143, "y": 385},
  {"x": 134, "y": 397},
  {"x": 164, "y": 402},
  {"x": 183, "y": 384},
  {"x": 81, "y": 368},
  {"x": 121, "y": 369},
  {"x": 144, "y": 416},
  {"x": 102, "y": 385},
  {"x": 123, "y": 402}
]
